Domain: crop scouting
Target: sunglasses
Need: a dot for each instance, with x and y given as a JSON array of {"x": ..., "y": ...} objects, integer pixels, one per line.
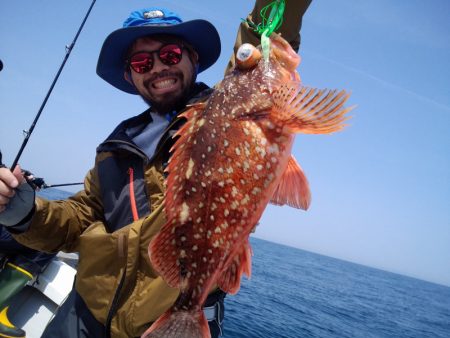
[{"x": 142, "y": 62}]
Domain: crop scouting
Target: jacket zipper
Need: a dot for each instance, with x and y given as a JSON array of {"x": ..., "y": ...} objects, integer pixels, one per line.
[
  {"x": 134, "y": 210},
  {"x": 113, "y": 308}
]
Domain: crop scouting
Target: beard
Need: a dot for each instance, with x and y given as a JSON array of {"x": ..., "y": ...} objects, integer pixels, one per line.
[{"x": 170, "y": 102}]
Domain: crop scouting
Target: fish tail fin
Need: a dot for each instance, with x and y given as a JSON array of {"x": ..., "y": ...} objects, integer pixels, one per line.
[
  {"x": 310, "y": 110},
  {"x": 175, "y": 324}
]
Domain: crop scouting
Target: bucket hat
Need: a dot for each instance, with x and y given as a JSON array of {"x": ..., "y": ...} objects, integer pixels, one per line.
[{"x": 200, "y": 34}]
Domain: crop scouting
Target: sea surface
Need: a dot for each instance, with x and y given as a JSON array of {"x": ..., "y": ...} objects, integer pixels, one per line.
[{"x": 295, "y": 293}]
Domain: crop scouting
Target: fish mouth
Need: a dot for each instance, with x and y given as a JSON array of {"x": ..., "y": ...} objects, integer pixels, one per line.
[{"x": 284, "y": 53}]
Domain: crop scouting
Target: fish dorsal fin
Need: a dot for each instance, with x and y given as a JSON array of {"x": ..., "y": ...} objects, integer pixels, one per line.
[
  {"x": 230, "y": 279},
  {"x": 309, "y": 110},
  {"x": 293, "y": 188}
]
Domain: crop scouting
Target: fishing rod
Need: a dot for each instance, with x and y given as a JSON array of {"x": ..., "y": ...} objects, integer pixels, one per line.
[
  {"x": 46, "y": 186},
  {"x": 68, "y": 51}
]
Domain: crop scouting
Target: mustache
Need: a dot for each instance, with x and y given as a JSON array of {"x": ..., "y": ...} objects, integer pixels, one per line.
[{"x": 162, "y": 75}]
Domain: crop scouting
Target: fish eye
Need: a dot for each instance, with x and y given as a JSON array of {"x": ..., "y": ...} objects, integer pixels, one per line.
[{"x": 247, "y": 56}]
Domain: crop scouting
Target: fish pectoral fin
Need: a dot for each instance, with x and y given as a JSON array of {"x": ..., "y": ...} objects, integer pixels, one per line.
[
  {"x": 309, "y": 110},
  {"x": 293, "y": 188},
  {"x": 241, "y": 263}
]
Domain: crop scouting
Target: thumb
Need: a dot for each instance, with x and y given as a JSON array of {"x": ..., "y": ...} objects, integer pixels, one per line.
[{"x": 17, "y": 172}]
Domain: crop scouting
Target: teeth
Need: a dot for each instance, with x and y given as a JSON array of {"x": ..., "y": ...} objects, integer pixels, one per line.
[{"x": 164, "y": 83}]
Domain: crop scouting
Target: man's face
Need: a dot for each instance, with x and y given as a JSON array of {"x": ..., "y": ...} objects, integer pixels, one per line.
[{"x": 164, "y": 87}]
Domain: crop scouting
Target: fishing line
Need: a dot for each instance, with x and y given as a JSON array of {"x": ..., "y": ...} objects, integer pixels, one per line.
[
  {"x": 268, "y": 24},
  {"x": 68, "y": 51}
]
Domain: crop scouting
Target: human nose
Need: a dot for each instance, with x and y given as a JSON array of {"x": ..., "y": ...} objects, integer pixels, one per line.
[{"x": 158, "y": 65}]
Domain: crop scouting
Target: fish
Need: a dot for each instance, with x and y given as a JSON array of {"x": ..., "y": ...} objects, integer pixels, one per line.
[{"x": 233, "y": 157}]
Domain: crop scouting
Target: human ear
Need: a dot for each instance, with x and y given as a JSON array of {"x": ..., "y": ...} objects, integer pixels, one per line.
[{"x": 127, "y": 77}]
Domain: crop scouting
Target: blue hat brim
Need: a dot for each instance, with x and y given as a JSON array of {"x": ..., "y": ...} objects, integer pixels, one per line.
[{"x": 201, "y": 34}]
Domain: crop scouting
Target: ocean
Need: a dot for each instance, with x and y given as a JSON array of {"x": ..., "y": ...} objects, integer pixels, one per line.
[{"x": 294, "y": 293}]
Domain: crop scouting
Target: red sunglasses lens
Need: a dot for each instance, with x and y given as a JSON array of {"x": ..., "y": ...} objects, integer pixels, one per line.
[
  {"x": 141, "y": 62},
  {"x": 170, "y": 54}
]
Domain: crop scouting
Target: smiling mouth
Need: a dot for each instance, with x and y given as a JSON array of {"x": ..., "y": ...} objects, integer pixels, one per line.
[{"x": 163, "y": 84}]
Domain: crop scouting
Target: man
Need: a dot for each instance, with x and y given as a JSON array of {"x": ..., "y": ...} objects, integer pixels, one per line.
[{"x": 111, "y": 222}]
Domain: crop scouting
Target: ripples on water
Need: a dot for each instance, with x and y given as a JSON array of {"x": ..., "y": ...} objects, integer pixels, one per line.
[{"x": 294, "y": 293}]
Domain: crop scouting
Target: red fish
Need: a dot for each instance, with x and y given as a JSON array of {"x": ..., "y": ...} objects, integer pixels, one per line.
[{"x": 232, "y": 158}]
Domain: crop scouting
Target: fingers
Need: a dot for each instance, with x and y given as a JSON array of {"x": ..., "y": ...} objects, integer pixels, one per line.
[{"x": 8, "y": 182}]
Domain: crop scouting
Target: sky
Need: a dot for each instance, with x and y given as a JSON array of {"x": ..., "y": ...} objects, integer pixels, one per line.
[{"x": 380, "y": 188}]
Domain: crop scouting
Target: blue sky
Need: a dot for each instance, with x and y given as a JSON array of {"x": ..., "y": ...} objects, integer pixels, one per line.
[{"x": 381, "y": 188}]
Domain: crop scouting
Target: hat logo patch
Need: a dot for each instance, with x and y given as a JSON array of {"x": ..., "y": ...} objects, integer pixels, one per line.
[{"x": 153, "y": 14}]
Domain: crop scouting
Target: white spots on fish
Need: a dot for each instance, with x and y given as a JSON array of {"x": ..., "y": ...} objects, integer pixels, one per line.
[
  {"x": 242, "y": 181},
  {"x": 208, "y": 234},
  {"x": 263, "y": 141},
  {"x": 260, "y": 151},
  {"x": 217, "y": 230},
  {"x": 226, "y": 143},
  {"x": 198, "y": 220},
  {"x": 208, "y": 173},
  {"x": 234, "y": 205},
  {"x": 259, "y": 167},
  {"x": 268, "y": 165},
  {"x": 245, "y": 200},
  {"x": 183, "y": 254},
  {"x": 191, "y": 164},
  {"x": 209, "y": 149},
  {"x": 220, "y": 170},
  {"x": 226, "y": 212},
  {"x": 203, "y": 156},
  {"x": 215, "y": 244},
  {"x": 213, "y": 206},
  {"x": 273, "y": 159},
  {"x": 245, "y": 212},
  {"x": 183, "y": 238},
  {"x": 237, "y": 151},
  {"x": 246, "y": 131},
  {"x": 193, "y": 189},
  {"x": 234, "y": 191},
  {"x": 224, "y": 225},
  {"x": 195, "y": 248},
  {"x": 230, "y": 170},
  {"x": 211, "y": 217},
  {"x": 184, "y": 214},
  {"x": 203, "y": 184},
  {"x": 221, "y": 184},
  {"x": 274, "y": 149},
  {"x": 256, "y": 191},
  {"x": 197, "y": 236},
  {"x": 246, "y": 165},
  {"x": 201, "y": 205},
  {"x": 255, "y": 176},
  {"x": 201, "y": 122},
  {"x": 222, "y": 200},
  {"x": 247, "y": 149}
]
